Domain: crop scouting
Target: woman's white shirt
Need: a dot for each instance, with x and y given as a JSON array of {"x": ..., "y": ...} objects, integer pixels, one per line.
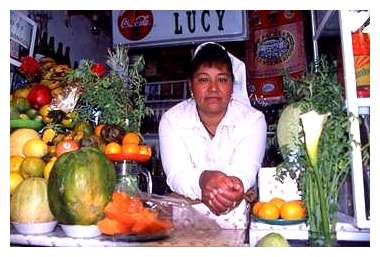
[{"x": 237, "y": 149}]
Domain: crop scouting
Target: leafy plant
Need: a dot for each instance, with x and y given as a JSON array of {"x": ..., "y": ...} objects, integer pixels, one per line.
[
  {"x": 117, "y": 97},
  {"x": 322, "y": 166}
]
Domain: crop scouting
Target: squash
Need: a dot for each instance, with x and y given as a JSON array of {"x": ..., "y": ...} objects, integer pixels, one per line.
[
  {"x": 19, "y": 137},
  {"x": 29, "y": 202},
  {"x": 80, "y": 185}
]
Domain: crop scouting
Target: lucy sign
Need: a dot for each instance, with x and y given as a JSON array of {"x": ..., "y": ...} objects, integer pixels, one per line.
[{"x": 139, "y": 28}]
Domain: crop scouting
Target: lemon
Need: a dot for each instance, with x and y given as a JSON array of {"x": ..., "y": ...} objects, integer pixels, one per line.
[
  {"x": 35, "y": 148},
  {"x": 49, "y": 167},
  {"x": 15, "y": 163},
  {"x": 16, "y": 179},
  {"x": 32, "y": 167}
]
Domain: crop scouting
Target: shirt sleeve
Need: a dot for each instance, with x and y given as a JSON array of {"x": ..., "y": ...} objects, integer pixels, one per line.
[
  {"x": 182, "y": 177},
  {"x": 249, "y": 150}
]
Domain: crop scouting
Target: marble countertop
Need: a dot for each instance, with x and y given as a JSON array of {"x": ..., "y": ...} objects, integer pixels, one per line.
[{"x": 179, "y": 237}]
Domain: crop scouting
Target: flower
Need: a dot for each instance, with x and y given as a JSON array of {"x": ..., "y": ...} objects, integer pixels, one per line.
[
  {"x": 312, "y": 123},
  {"x": 98, "y": 69},
  {"x": 29, "y": 66}
]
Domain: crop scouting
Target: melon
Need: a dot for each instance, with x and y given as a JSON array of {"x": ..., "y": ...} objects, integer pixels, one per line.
[
  {"x": 273, "y": 240},
  {"x": 29, "y": 202},
  {"x": 19, "y": 137},
  {"x": 80, "y": 185}
]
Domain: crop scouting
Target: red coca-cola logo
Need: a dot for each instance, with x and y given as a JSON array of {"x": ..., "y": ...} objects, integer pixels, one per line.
[{"x": 135, "y": 25}]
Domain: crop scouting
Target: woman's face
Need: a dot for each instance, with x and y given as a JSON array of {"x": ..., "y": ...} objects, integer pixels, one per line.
[{"x": 212, "y": 88}]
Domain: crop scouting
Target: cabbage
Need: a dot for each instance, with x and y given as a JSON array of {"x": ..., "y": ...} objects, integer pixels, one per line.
[{"x": 288, "y": 129}]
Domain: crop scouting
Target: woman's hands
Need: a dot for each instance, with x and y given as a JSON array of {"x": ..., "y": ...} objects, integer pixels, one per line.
[{"x": 220, "y": 192}]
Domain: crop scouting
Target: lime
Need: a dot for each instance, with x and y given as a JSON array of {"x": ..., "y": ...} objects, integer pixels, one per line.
[
  {"x": 32, "y": 113},
  {"x": 32, "y": 167},
  {"x": 21, "y": 104}
]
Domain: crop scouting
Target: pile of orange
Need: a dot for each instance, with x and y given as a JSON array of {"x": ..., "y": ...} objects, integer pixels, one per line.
[
  {"x": 131, "y": 144},
  {"x": 278, "y": 208}
]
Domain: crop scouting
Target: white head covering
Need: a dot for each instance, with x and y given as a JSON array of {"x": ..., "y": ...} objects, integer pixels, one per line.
[{"x": 239, "y": 91}]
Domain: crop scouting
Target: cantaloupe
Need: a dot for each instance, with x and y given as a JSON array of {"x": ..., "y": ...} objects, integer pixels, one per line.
[{"x": 19, "y": 137}]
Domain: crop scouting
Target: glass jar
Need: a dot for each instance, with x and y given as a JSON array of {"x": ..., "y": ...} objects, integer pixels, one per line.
[{"x": 128, "y": 177}]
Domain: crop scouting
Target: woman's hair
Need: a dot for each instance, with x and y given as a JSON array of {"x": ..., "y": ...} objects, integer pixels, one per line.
[{"x": 211, "y": 55}]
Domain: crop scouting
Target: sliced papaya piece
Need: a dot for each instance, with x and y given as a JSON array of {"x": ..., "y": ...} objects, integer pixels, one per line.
[{"x": 112, "y": 227}]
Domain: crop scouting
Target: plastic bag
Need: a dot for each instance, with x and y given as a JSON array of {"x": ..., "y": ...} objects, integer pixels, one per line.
[{"x": 179, "y": 211}]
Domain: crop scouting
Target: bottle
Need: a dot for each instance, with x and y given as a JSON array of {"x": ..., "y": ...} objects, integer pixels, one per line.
[
  {"x": 66, "y": 57},
  {"x": 41, "y": 47},
  {"x": 59, "y": 54},
  {"x": 51, "y": 48}
]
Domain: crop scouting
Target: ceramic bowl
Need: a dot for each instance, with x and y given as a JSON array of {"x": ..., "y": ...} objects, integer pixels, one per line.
[
  {"x": 35, "y": 228},
  {"x": 81, "y": 231}
]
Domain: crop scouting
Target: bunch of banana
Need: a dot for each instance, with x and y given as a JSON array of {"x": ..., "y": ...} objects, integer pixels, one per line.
[{"x": 53, "y": 75}]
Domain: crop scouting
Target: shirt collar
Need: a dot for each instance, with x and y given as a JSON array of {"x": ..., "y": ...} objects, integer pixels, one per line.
[{"x": 193, "y": 121}]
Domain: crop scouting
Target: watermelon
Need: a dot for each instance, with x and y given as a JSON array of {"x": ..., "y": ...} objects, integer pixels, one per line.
[
  {"x": 29, "y": 203},
  {"x": 80, "y": 185}
]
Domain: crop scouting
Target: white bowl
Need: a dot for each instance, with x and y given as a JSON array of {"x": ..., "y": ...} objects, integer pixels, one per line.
[
  {"x": 35, "y": 228},
  {"x": 81, "y": 231}
]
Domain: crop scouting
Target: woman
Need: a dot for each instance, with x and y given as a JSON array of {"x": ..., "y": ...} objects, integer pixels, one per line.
[{"x": 212, "y": 145}]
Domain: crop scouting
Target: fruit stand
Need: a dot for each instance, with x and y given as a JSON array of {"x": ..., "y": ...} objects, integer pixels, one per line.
[{"x": 78, "y": 163}]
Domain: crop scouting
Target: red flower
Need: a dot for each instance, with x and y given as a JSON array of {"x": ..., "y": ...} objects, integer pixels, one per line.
[
  {"x": 98, "y": 69},
  {"x": 29, "y": 66}
]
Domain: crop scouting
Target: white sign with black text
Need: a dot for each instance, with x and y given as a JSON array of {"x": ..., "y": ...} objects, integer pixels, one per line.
[{"x": 155, "y": 28}]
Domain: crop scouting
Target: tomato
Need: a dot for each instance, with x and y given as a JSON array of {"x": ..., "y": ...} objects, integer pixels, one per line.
[
  {"x": 39, "y": 95},
  {"x": 98, "y": 69}
]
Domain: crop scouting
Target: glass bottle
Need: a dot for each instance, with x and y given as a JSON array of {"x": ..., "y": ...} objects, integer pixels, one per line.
[
  {"x": 66, "y": 57},
  {"x": 59, "y": 54},
  {"x": 51, "y": 48}
]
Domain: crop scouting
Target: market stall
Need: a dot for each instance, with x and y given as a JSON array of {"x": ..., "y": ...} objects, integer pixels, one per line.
[{"x": 85, "y": 165}]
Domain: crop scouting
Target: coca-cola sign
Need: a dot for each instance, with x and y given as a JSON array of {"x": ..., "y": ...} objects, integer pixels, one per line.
[
  {"x": 135, "y": 25},
  {"x": 140, "y": 28}
]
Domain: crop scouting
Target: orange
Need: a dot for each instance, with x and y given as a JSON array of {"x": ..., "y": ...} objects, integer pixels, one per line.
[
  {"x": 15, "y": 163},
  {"x": 131, "y": 138},
  {"x": 292, "y": 210},
  {"x": 256, "y": 207},
  {"x": 277, "y": 201},
  {"x": 130, "y": 148},
  {"x": 145, "y": 150},
  {"x": 112, "y": 148},
  {"x": 268, "y": 211},
  {"x": 98, "y": 129}
]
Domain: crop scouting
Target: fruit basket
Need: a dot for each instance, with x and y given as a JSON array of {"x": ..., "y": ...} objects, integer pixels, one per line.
[{"x": 117, "y": 157}]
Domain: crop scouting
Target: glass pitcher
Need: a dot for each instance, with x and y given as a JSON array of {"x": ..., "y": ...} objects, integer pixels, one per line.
[{"x": 128, "y": 177}]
